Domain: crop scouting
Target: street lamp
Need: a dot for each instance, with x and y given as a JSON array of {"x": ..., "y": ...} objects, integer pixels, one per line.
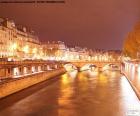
[
  {"x": 34, "y": 51},
  {"x": 26, "y": 49},
  {"x": 14, "y": 46}
]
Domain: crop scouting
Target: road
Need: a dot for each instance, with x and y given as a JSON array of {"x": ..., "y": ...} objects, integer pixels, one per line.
[{"x": 75, "y": 94}]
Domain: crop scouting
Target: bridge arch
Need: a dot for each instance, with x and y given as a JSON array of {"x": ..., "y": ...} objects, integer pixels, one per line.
[
  {"x": 88, "y": 67},
  {"x": 111, "y": 66},
  {"x": 80, "y": 64},
  {"x": 70, "y": 67}
]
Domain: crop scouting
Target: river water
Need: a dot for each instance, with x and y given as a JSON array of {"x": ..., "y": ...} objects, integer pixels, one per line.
[{"x": 75, "y": 94}]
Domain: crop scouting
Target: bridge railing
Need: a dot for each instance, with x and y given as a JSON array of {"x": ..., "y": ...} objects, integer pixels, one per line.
[{"x": 28, "y": 62}]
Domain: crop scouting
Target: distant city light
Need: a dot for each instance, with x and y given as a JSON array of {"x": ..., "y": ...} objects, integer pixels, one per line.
[{"x": 25, "y": 45}]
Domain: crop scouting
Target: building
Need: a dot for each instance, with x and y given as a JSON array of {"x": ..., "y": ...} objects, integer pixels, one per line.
[
  {"x": 17, "y": 42},
  {"x": 54, "y": 50}
]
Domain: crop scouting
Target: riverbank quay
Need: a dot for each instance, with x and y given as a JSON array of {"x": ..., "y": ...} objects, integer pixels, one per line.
[
  {"x": 131, "y": 70},
  {"x": 17, "y": 84}
]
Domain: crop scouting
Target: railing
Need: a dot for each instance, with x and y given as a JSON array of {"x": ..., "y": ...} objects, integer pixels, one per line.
[
  {"x": 27, "y": 62},
  {"x": 51, "y": 62},
  {"x": 84, "y": 61}
]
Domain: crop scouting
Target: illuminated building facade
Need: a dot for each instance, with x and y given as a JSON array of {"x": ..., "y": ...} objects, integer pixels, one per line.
[
  {"x": 54, "y": 50},
  {"x": 20, "y": 43},
  {"x": 17, "y": 42}
]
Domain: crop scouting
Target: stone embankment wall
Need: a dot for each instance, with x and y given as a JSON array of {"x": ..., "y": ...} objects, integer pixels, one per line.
[
  {"x": 132, "y": 72},
  {"x": 21, "y": 83}
]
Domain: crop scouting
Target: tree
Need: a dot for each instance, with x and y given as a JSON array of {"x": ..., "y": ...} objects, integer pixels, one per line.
[{"x": 131, "y": 47}]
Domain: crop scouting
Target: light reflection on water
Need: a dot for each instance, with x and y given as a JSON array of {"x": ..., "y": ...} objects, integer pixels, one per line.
[
  {"x": 102, "y": 79},
  {"x": 79, "y": 94},
  {"x": 72, "y": 85},
  {"x": 66, "y": 92},
  {"x": 69, "y": 77},
  {"x": 73, "y": 74},
  {"x": 96, "y": 88}
]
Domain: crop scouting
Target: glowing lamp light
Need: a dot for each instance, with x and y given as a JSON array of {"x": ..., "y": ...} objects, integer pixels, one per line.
[
  {"x": 14, "y": 46},
  {"x": 26, "y": 49},
  {"x": 34, "y": 50}
]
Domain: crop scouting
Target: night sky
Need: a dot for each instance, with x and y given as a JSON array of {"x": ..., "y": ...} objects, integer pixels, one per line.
[{"x": 100, "y": 24}]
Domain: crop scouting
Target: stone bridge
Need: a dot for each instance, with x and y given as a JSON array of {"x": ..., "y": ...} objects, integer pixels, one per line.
[{"x": 80, "y": 64}]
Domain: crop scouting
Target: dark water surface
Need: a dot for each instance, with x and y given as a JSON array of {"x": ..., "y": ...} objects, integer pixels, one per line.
[{"x": 75, "y": 94}]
